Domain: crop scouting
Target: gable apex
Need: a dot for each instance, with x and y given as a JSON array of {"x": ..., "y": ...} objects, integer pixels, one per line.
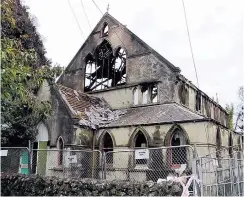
[{"x": 113, "y": 24}]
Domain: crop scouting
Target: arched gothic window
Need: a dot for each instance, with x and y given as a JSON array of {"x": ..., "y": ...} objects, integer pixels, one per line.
[
  {"x": 106, "y": 70},
  {"x": 108, "y": 146},
  {"x": 179, "y": 154},
  {"x": 60, "y": 145},
  {"x": 140, "y": 142}
]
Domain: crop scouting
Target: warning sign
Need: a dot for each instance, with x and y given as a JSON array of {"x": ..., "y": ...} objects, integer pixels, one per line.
[
  {"x": 3, "y": 153},
  {"x": 142, "y": 154}
]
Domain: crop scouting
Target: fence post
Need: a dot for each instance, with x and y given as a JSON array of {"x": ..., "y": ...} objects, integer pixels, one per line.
[
  {"x": 231, "y": 175},
  {"x": 195, "y": 160},
  {"x": 29, "y": 161},
  {"x": 105, "y": 165}
]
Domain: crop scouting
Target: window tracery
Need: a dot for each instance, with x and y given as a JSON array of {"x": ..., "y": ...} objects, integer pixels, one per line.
[{"x": 105, "y": 70}]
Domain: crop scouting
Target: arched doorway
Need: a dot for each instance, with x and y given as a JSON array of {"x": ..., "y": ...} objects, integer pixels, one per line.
[{"x": 39, "y": 153}]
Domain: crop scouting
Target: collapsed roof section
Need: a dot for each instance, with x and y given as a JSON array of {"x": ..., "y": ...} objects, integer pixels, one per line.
[{"x": 92, "y": 112}]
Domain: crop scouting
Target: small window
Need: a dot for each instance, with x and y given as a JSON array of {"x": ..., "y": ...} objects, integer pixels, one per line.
[
  {"x": 135, "y": 96},
  {"x": 105, "y": 30}
]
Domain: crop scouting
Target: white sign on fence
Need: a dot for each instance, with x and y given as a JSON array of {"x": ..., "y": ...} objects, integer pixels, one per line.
[
  {"x": 3, "y": 153},
  {"x": 142, "y": 154},
  {"x": 71, "y": 159}
]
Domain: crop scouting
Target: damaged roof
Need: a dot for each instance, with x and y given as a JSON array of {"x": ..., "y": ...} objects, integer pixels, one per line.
[
  {"x": 155, "y": 114},
  {"x": 79, "y": 102}
]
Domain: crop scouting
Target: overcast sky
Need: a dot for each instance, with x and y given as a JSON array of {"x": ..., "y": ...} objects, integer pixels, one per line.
[{"x": 216, "y": 29}]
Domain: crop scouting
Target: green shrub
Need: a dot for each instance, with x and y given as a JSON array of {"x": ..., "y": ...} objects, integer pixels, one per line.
[{"x": 22, "y": 185}]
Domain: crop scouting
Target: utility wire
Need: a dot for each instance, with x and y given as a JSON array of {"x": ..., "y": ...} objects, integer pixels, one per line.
[
  {"x": 111, "y": 29},
  {"x": 190, "y": 43},
  {"x": 83, "y": 7},
  {"x": 97, "y": 7},
  {"x": 76, "y": 20}
]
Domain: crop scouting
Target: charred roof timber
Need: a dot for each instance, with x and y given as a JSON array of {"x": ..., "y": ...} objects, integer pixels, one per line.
[{"x": 105, "y": 70}]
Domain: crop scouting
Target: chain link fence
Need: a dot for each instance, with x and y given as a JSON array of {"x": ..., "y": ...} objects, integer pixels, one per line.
[
  {"x": 15, "y": 160},
  {"x": 67, "y": 163},
  {"x": 148, "y": 164},
  {"x": 222, "y": 172}
]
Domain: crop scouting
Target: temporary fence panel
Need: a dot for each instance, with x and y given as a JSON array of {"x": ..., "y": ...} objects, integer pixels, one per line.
[
  {"x": 67, "y": 163},
  {"x": 148, "y": 164},
  {"x": 222, "y": 173}
]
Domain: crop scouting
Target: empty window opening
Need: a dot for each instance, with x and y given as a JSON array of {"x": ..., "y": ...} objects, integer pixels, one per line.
[
  {"x": 135, "y": 96},
  {"x": 60, "y": 151},
  {"x": 198, "y": 101},
  {"x": 230, "y": 145},
  {"x": 183, "y": 94},
  {"x": 154, "y": 94},
  {"x": 145, "y": 97},
  {"x": 120, "y": 67},
  {"x": 218, "y": 144},
  {"x": 149, "y": 93},
  {"x": 140, "y": 142},
  {"x": 208, "y": 108},
  {"x": 108, "y": 146},
  {"x": 179, "y": 155},
  {"x": 105, "y": 70},
  {"x": 105, "y": 30}
]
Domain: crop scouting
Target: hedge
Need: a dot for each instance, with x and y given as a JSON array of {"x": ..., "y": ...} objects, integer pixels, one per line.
[{"x": 22, "y": 185}]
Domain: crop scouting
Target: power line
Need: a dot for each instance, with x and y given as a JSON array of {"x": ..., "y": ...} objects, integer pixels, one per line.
[
  {"x": 76, "y": 20},
  {"x": 111, "y": 29},
  {"x": 83, "y": 7},
  {"x": 97, "y": 7},
  {"x": 190, "y": 43}
]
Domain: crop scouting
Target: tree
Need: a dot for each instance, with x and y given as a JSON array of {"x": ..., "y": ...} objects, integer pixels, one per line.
[
  {"x": 230, "y": 109},
  {"x": 21, "y": 76},
  {"x": 17, "y": 24}
]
